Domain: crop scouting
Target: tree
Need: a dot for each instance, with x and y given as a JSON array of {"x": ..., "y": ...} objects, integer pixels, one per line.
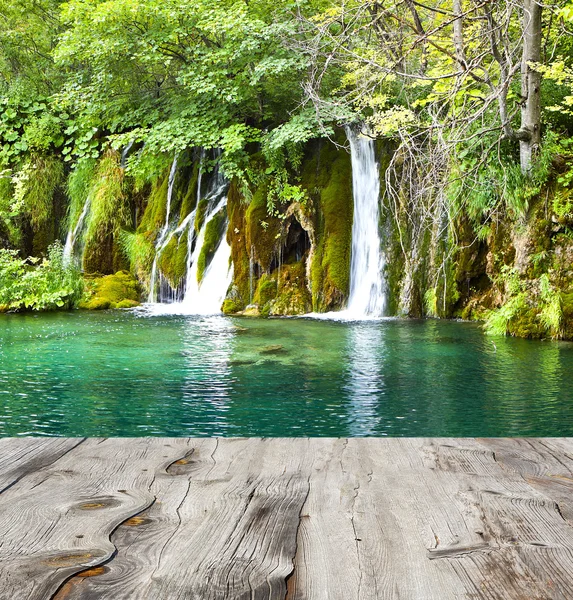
[{"x": 450, "y": 64}]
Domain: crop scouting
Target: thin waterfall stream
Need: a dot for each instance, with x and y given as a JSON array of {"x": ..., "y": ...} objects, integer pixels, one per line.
[
  {"x": 367, "y": 298},
  {"x": 367, "y": 285}
]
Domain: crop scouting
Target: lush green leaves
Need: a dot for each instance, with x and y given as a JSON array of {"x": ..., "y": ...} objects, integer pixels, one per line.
[{"x": 46, "y": 285}]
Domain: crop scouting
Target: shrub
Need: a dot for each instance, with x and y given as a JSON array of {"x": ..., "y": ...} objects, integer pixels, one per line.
[{"x": 47, "y": 285}]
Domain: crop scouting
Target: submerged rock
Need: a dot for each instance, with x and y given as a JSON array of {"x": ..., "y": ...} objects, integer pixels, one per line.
[{"x": 276, "y": 349}]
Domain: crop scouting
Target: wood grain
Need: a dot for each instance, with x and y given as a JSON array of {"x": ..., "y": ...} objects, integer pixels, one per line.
[{"x": 294, "y": 519}]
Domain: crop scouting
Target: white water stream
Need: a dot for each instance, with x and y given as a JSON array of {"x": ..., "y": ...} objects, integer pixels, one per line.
[
  {"x": 206, "y": 297},
  {"x": 367, "y": 286},
  {"x": 74, "y": 234},
  {"x": 367, "y": 297}
]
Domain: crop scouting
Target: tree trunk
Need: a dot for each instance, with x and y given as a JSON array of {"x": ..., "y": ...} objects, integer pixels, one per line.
[
  {"x": 530, "y": 85},
  {"x": 459, "y": 34}
]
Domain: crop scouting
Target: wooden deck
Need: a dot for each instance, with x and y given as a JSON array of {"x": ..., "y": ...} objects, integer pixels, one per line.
[{"x": 304, "y": 519}]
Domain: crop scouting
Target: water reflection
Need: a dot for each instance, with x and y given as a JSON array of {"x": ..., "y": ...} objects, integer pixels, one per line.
[
  {"x": 366, "y": 348},
  {"x": 207, "y": 346}
]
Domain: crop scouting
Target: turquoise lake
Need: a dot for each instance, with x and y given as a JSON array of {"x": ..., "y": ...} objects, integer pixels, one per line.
[{"x": 121, "y": 373}]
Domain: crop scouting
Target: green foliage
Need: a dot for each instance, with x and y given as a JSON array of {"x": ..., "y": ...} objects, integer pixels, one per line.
[
  {"x": 528, "y": 311},
  {"x": 36, "y": 184},
  {"x": 31, "y": 284},
  {"x": 79, "y": 186},
  {"x": 497, "y": 322},
  {"x": 109, "y": 206},
  {"x": 139, "y": 251},
  {"x": 551, "y": 313},
  {"x": 10, "y": 229}
]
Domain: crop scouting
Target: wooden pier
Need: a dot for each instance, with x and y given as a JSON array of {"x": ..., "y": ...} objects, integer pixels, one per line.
[{"x": 294, "y": 519}]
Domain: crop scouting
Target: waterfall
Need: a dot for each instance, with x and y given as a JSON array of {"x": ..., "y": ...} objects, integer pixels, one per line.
[
  {"x": 74, "y": 233},
  {"x": 367, "y": 286},
  {"x": 125, "y": 153},
  {"x": 161, "y": 242},
  {"x": 205, "y": 297}
]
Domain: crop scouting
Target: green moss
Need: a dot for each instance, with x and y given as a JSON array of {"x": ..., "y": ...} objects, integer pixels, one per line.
[
  {"x": 261, "y": 229},
  {"x": 111, "y": 291},
  {"x": 97, "y": 303},
  {"x": 190, "y": 199},
  {"x": 213, "y": 232},
  {"x": 266, "y": 290},
  {"x": 327, "y": 177},
  {"x": 293, "y": 297},
  {"x": 154, "y": 214},
  {"x": 201, "y": 214},
  {"x": 173, "y": 260},
  {"x": 231, "y": 307},
  {"x": 127, "y": 304},
  {"x": 236, "y": 237},
  {"x": 266, "y": 293}
]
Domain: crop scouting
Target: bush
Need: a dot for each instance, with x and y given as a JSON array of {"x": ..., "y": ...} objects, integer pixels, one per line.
[{"x": 33, "y": 285}]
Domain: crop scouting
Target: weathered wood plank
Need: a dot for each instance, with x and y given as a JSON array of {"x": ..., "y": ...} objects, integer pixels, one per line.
[
  {"x": 21, "y": 456},
  {"x": 57, "y": 520},
  {"x": 225, "y": 527},
  {"x": 301, "y": 519},
  {"x": 140, "y": 540}
]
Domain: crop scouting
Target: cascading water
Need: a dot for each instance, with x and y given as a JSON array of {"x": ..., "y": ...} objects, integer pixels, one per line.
[
  {"x": 74, "y": 234},
  {"x": 205, "y": 297},
  {"x": 161, "y": 241},
  {"x": 367, "y": 285}
]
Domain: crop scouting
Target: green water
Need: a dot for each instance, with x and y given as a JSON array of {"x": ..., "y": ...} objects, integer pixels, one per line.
[{"x": 122, "y": 374}]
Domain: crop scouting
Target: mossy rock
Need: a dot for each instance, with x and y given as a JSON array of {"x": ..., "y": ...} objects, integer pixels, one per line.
[
  {"x": 213, "y": 232},
  {"x": 112, "y": 291},
  {"x": 127, "y": 304},
  {"x": 261, "y": 229},
  {"x": 236, "y": 237},
  {"x": 189, "y": 201},
  {"x": 231, "y": 307},
  {"x": 201, "y": 214},
  {"x": 265, "y": 294},
  {"x": 327, "y": 177},
  {"x": 567, "y": 306},
  {"x": 173, "y": 260},
  {"x": 266, "y": 290},
  {"x": 155, "y": 211},
  {"x": 293, "y": 297}
]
